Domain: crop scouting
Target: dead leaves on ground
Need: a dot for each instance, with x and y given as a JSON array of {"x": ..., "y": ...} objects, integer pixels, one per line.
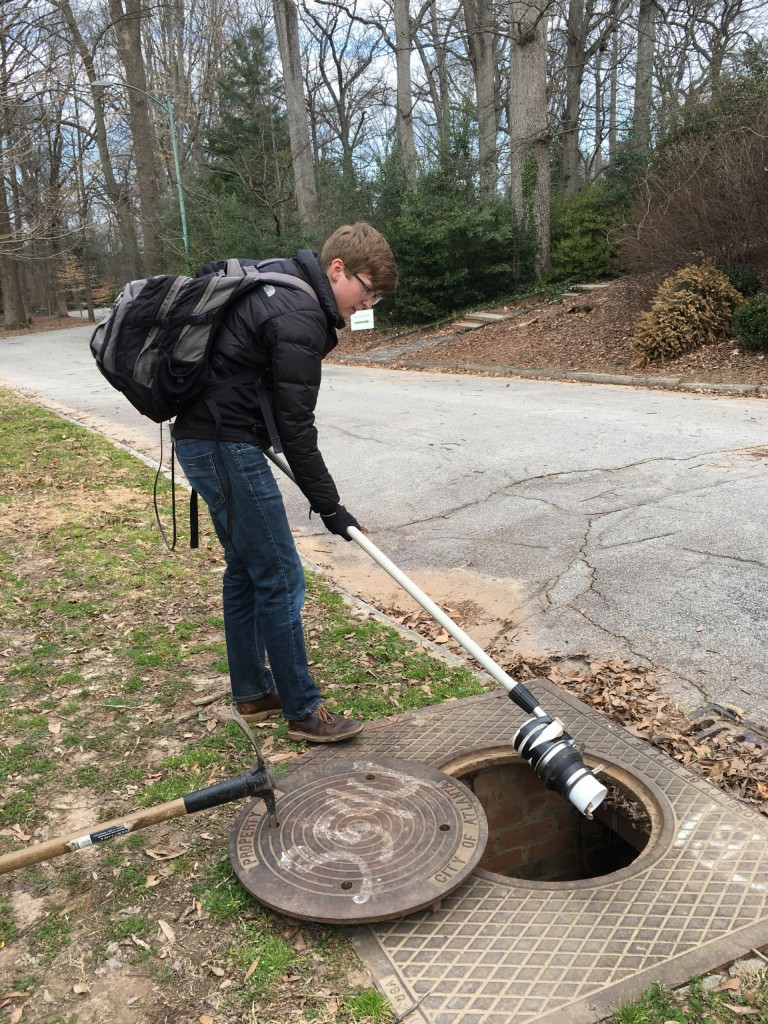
[{"x": 631, "y": 696}]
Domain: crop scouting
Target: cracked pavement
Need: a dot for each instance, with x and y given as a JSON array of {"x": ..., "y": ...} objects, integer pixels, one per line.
[{"x": 576, "y": 517}]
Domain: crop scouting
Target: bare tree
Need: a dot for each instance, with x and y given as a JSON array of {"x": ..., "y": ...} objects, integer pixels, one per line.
[
  {"x": 586, "y": 31},
  {"x": 14, "y": 307},
  {"x": 404, "y": 116},
  {"x": 345, "y": 94},
  {"x": 184, "y": 46},
  {"x": 433, "y": 43},
  {"x": 481, "y": 43},
  {"x": 11, "y": 243},
  {"x": 646, "y": 52},
  {"x": 401, "y": 44},
  {"x": 698, "y": 40},
  {"x": 529, "y": 131},
  {"x": 118, "y": 193},
  {"x": 33, "y": 192},
  {"x": 127, "y": 17},
  {"x": 287, "y": 26},
  {"x": 83, "y": 215},
  {"x": 613, "y": 94}
]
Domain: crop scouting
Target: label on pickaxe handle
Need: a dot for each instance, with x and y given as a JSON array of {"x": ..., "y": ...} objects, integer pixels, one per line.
[{"x": 82, "y": 842}]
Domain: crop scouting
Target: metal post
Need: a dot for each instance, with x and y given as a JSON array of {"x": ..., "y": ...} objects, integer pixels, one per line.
[
  {"x": 179, "y": 189},
  {"x": 167, "y": 106}
]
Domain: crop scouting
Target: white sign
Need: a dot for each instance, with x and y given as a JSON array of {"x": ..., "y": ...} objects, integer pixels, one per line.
[{"x": 362, "y": 320}]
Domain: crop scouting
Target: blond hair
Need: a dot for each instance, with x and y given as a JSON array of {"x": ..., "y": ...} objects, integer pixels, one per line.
[{"x": 362, "y": 248}]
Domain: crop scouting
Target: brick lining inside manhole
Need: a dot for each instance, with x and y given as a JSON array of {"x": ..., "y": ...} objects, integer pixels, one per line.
[{"x": 535, "y": 834}]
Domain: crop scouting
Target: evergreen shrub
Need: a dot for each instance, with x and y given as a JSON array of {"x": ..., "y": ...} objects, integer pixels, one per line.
[
  {"x": 584, "y": 227},
  {"x": 693, "y": 307},
  {"x": 745, "y": 278},
  {"x": 750, "y": 323},
  {"x": 453, "y": 251}
]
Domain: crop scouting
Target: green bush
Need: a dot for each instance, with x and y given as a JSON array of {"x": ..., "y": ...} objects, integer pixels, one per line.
[
  {"x": 693, "y": 307},
  {"x": 745, "y": 278},
  {"x": 583, "y": 231},
  {"x": 453, "y": 251},
  {"x": 750, "y": 323}
]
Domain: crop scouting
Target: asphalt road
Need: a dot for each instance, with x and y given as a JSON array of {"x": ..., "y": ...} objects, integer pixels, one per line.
[{"x": 620, "y": 522}]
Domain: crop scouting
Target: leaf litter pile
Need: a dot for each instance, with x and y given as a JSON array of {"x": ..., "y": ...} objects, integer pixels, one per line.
[{"x": 632, "y": 696}]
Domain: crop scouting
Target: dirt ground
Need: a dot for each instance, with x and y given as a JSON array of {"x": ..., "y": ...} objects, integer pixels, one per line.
[
  {"x": 42, "y": 323},
  {"x": 592, "y": 335}
]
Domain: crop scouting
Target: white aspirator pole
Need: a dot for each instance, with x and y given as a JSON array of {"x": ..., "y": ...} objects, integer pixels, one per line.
[{"x": 541, "y": 741}]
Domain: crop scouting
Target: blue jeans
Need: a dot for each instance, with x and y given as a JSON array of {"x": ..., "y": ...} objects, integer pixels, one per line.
[{"x": 263, "y": 588}]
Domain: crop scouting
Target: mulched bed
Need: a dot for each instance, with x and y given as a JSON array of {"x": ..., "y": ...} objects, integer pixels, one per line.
[{"x": 591, "y": 335}]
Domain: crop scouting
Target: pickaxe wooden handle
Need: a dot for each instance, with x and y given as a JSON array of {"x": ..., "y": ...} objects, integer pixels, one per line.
[{"x": 257, "y": 782}]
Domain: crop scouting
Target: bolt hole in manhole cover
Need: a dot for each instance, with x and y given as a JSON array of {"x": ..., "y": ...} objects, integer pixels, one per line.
[
  {"x": 360, "y": 841},
  {"x": 536, "y": 835}
]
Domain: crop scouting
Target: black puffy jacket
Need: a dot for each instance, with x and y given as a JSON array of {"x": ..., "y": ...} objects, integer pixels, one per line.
[{"x": 280, "y": 335}]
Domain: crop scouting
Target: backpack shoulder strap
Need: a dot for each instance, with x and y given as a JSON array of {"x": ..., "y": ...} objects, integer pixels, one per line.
[
  {"x": 262, "y": 275},
  {"x": 274, "y": 277}
]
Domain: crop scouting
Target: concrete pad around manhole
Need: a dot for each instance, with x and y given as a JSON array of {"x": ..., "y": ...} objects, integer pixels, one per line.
[{"x": 506, "y": 949}]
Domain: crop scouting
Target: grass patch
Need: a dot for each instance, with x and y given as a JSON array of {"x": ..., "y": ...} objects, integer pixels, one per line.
[
  {"x": 132, "y": 925},
  {"x": 8, "y": 930},
  {"x": 261, "y": 957},
  {"x": 369, "y": 1005},
  {"x": 221, "y": 894},
  {"x": 51, "y": 937},
  {"x": 696, "y": 1004}
]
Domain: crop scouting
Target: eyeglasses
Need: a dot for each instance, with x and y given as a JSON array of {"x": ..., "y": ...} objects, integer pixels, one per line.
[{"x": 368, "y": 292}]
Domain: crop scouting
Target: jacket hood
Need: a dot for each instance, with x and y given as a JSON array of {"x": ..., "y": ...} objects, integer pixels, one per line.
[{"x": 309, "y": 263}]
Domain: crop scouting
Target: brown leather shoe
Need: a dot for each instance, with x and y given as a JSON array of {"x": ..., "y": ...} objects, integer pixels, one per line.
[
  {"x": 259, "y": 710},
  {"x": 324, "y": 726}
]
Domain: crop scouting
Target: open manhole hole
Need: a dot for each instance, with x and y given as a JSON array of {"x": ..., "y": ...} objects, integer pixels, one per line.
[{"x": 537, "y": 836}]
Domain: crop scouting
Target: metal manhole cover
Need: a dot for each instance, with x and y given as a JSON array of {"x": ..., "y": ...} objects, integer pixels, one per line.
[{"x": 360, "y": 841}]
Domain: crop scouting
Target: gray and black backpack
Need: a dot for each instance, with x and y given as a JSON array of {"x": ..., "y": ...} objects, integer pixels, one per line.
[{"x": 154, "y": 346}]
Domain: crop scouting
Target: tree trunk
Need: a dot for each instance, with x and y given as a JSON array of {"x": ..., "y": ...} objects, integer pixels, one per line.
[
  {"x": 287, "y": 25},
  {"x": 14, "y": 309},
  {"x": 121, "y": 200},
  {"x": 646, "y": 51},
  {"x": 53, "y": 217},
  {"x": 529, "y": 133},
  {"x": 436, "y": 74},
  {"x": 481, "y": 46},
  {"x": 587, "y": 32},
  {"x": 574, "y": 73},
  {"x": 83, "y": 211},
  {"x": 15, "y": 312},
  {"x": 406, "y": 145},
  {"x": 118, "y": 196},
  {"x": 127, "y": 24},
  {"x": 596, "y": 167},
  {"x": 613, "y": 102}
]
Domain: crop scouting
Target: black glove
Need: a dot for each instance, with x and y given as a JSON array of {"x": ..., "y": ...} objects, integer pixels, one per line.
[{"x": 338, "y": 521}]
